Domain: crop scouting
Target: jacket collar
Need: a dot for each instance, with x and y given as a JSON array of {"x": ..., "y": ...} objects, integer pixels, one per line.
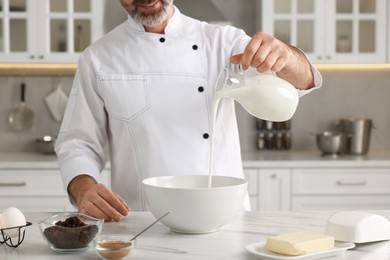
[{"x": 172, "y": 25}]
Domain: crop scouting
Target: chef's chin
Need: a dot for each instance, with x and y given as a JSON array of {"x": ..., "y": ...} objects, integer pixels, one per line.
[{"x": 151, "y": 18}]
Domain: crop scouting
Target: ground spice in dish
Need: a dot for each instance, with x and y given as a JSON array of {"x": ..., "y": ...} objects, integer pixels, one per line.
[{"x": 114, "y": 250}]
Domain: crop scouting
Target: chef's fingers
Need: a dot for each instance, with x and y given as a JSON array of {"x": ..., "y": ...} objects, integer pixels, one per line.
[
  {"x": 279, "y": 64},
  {"x": 261, "y": 63},
  {"x": 236, "y": 59},
  {"x": 264, "y": 53},
  {"x": 100, "y": 202},
  {"x": 253, "y": 55},
  {"x": 264, "y": 63},
  {"x": 112, "y": 206},
  {"x": 278, "y": 57},
  {"x": 98, "y": 206},
  {"x": 89, "y": 208},
  {"x": 249, "y": 53},
  {"x": 122, "y": 200}
]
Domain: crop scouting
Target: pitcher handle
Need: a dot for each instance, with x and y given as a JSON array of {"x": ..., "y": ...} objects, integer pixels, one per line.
[
  {"x": 236, "y": 69},
  {"x": 230, "y": 77}
]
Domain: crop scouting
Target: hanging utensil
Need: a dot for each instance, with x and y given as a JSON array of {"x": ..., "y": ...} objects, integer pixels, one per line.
[
  {"x": 56, "y": 102},
  {"x": 22, "y": 118}
]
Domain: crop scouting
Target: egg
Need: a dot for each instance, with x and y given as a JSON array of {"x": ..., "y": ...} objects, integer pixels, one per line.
[{"x": 12, "y": 217}]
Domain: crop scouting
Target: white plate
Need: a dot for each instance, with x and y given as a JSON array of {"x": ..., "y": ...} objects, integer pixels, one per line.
[{"x": 259, "y": 250}]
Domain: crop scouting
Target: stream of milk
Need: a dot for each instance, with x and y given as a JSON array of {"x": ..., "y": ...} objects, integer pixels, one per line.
[
  {"x": 217, "y": 99},
  {"x": 246, "y": 99},
  {"x": 266, "y": 97}
]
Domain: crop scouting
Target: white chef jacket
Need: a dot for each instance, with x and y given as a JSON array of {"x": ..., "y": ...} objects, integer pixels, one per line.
[{"x": 150, "y": 96}]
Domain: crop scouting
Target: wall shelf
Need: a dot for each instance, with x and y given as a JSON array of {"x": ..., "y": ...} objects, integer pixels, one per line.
[
  {"x": 360, "y": 67},
  {"x": 70, "y": 69},
  {"x": 37, "y": 69}
]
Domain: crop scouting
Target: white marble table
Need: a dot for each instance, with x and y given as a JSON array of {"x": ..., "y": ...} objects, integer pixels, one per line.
[{"x": 228, "y": 243}]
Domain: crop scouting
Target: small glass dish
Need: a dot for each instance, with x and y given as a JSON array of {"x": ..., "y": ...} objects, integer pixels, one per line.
[
  {"x": 114, "y": 247},
  {"x": 70, "y": 232}
]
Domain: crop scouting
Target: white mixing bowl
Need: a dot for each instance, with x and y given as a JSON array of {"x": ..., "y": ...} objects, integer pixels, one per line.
[{"x": 194, "y": 207}]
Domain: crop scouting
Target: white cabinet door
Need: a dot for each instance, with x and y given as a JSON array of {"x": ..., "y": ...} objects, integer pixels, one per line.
[
  {"x": 48, "y": 31},
  {"x": 33, "y": 190},
  {"x": 352, "y": 181},
  {"x": 297, "y": 23},
  {"x": 16, "y": 23},
  {"x": 318, "y": 188},
  {"x": 269, "y": 189},
  {"x": 252, "y": 176},
  {"x": 357, "y": 31},
  {"x": 274, "y": 189},
  {"x": 330, "y": 31},
  {"x": 37, "y": 189},
  {"x": 37, "y": 204},
  {"x": 346, "y": 188},
  {"x": 37, "y": 182}
]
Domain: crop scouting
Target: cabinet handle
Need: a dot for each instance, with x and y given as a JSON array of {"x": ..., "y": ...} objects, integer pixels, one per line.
[
  {"x": 41, "y": 57},
  {"x": 12, "y": 184},
  {"x": 32, "y": 57},
  {"x": 351, "y": 183}
]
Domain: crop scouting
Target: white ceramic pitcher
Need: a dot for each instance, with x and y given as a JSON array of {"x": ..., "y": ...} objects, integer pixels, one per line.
[{"x": 265, "y": 95}]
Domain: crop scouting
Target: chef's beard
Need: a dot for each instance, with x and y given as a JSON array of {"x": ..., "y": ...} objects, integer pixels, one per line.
[{"x": 150, "y": 18}]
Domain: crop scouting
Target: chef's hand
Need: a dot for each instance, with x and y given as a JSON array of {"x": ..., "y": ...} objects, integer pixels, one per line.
[
  {"x": 96, "y": 200},
  {"x": 265, "y": 53}
]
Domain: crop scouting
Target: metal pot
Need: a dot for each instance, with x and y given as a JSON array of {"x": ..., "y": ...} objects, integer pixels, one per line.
[
  {"x": 331, "y": 143},
  {"x": 45, "y": 144},
  {"x": 359, "y": 133}
]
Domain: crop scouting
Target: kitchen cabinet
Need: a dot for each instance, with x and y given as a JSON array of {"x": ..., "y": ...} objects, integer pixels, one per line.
[
  {"x": 350, "y": 188},
  {"x": 38, "y": 189},
  {"x": 269, "y": 189},
  {"x": 330, "y": 31},
  {"x": 48, "y": 31},
  {"x": 327, "y": 188},
  {"x": 252, "y": 177}
]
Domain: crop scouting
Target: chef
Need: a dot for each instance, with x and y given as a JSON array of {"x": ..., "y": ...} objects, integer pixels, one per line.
[{"x": 145, "y": 91}]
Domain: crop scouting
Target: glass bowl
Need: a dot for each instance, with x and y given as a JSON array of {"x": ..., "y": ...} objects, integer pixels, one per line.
[
  {"x": 70, "y": 232},
  {"x": 114, "y": 247}
]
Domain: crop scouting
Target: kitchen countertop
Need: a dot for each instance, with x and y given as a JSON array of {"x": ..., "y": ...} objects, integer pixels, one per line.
[
  {"x": 228, "y": 243},
  {"x": 272, "y": 159},
  {"x": 304, "y": 159},
  {"x": 27, "y": 160}
]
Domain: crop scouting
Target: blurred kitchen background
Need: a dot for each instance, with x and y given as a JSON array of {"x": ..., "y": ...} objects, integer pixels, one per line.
[{"x": 361, "y": 92}]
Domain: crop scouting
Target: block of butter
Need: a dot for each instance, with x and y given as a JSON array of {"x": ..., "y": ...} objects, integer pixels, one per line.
[{"x": 299, "y": 243}]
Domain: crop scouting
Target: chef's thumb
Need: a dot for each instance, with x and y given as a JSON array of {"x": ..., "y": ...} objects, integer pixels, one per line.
[{"x": 236, "y": 59}]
